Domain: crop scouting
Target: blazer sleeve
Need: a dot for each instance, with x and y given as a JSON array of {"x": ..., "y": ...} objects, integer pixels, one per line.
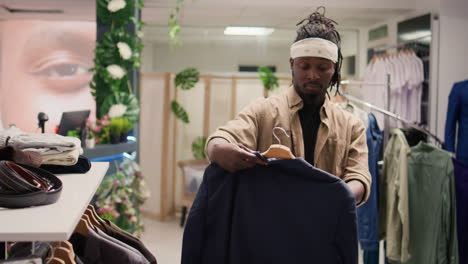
[
  {"x": 346, "y": 238},
  {"x": 193, "y": 237},
  {"x": 453, "y": 113}
]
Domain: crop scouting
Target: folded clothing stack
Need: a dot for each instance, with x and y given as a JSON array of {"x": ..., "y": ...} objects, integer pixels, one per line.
[
  {"x": 24, "y": 186},
  {"x": 54, "y": 149}
]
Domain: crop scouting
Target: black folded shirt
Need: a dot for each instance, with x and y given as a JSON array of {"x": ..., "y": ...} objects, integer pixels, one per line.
[{"x": 82, "y": 166}]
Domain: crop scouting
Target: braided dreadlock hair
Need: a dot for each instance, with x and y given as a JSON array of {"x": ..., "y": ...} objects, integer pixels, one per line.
[{"x": 319, "y": 26}]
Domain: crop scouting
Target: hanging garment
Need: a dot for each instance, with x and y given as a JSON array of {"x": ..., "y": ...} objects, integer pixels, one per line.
[
  {"x": 99, "y": 248},
  {"x": 393, "y": 203},
  {"x": 368, "y": 213},
  {"x": 414, "y": 136},
  {"x": 406, "y": 72},
  {"x": 376, "y": 72},
  {"x": 433, "y": 238},
  {"x": 114, "y": 231},
  {"x": 285, "y": 212},
  {"x": 457, "y": 115},
  {"x": 461, "y": 190},
  {"x": 24, "y": 249}
]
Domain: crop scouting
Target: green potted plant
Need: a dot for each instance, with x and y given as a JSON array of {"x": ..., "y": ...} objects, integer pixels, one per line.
[
  {"x": 127, "y": 126},
  {"x": 269, "y": 80},
  {"x": 115, "y": 130}
]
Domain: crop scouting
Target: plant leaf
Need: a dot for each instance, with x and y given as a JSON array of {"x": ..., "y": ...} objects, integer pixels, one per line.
[
  {"x": 179, "y": 112},
  {"x": 198, "y": 148},
  {"x": 187, "y": 79},
  {"x": 269, "y": 80},
  {"x": 125, "y": 98}
]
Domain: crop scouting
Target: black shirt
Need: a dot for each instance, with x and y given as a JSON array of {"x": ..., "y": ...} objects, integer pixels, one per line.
[{"x": 310, "y": 122}]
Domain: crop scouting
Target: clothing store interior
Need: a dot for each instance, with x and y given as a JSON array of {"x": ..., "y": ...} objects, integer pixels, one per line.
[{"x": 216, "y": 131}]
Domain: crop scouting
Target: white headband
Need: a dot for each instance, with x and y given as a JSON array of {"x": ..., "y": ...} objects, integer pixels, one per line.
[{"x": 315, "y": 47}]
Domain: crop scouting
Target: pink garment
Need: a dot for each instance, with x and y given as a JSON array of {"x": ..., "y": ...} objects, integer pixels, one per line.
[{"x": 407, "y": 76}]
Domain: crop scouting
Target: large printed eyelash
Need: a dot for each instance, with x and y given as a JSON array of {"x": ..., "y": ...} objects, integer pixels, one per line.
[{"x": 62, "y": 70}]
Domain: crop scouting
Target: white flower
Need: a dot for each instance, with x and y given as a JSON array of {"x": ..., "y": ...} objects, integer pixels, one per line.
[
  {"x": 116, "y": 5},
  {"x": 124, "y": 50},
  {"x": 140, "y": 34},
  {"x": 115, "y": 71},
  {"x": 117, "y": 110}
]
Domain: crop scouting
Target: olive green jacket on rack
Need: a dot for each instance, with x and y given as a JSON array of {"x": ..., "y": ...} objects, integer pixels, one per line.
[
  {"x": 340, "y": 149},
  {"x": 432, "y": 207},
  {"x": 393, "y": 198},
  {"x": 417, "y": 203}
]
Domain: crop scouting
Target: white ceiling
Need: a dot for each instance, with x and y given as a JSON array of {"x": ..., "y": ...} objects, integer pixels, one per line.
[
  {"x": 282, "y": 14},
  {"x": 206, "y": 19}
]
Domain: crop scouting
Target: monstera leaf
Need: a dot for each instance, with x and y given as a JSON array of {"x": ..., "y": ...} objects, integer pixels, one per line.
[
  {"x": 127, "y": 99},
  {"x": 187, "y": 79},
  {"x": 179, "y": 112},
  {"x": 198, "y": 148}
]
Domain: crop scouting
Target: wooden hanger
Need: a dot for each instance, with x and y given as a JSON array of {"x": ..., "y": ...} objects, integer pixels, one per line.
[
  {"x": 66, "y": 244},
  {"x": 64, "y": 254},
  {"x": 82, "y": 228},
  {"x": 64, "y": 251},
  {"x": 278, "y": 151},
  {"x": 96, "y": 215},
  {"x": 55, "y": 261},
  {"x": 93, "y": 219}
]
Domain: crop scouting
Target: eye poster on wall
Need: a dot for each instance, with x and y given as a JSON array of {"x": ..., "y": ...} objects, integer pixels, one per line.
[{"x": 44, "y": 67}]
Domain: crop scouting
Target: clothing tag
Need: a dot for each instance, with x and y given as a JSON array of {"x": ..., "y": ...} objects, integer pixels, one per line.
[{"x": 23, "y": 261}]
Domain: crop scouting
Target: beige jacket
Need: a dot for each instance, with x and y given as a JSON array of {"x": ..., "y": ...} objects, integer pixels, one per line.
[
  {"x": 393, "y": 203},
  {"x": 341, "y": 147}
]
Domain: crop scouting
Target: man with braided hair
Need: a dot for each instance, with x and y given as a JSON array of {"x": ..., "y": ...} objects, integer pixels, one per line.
[{"x": 327, "y": 137}]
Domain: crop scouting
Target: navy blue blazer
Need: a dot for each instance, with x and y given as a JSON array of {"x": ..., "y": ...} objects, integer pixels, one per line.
[
  {"x": 286, "y": 212},
  {"x": 457, "y": 114}
]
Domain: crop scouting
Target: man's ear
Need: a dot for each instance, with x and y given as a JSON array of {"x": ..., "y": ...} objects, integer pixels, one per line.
[{"x": 291, "y": 62}]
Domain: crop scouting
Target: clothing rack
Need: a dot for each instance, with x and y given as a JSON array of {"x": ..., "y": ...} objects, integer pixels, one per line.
[
  {"x": 387, "y": 84},
  {"x": 393, "y": 115},
  {"x": 402, "y": 44}
]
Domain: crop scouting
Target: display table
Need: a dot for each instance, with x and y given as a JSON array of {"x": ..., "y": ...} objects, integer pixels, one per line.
[{"x": 55, "y": 222}]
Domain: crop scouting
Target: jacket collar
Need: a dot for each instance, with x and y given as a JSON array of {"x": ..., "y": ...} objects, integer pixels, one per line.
[{"x": 295, "y": 102}]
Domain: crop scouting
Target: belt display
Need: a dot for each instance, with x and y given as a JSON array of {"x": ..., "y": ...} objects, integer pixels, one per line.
[{"x": 24, "y": 186}]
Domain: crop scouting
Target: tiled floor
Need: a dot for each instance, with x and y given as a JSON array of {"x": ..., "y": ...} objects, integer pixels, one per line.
[{"x": 164, "y": 240}]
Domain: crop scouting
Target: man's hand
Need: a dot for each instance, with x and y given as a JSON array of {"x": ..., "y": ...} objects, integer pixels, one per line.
[
  {"x": 358, "y": 189},
  {"x": 231, "y": 157}
]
